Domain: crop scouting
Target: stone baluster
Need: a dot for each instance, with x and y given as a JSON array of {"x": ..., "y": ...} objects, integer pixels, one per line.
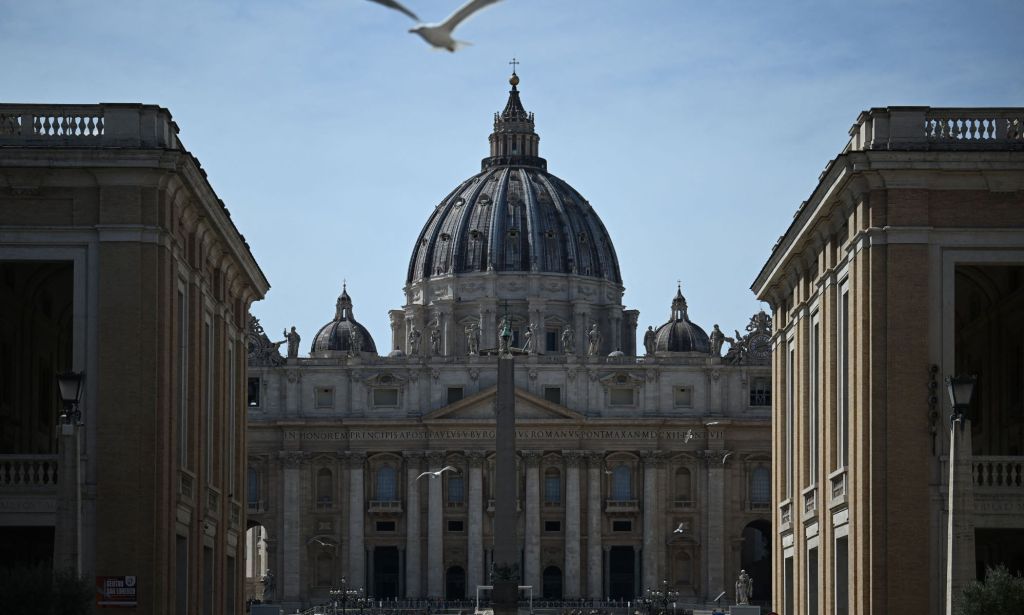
[
  {"x": 572, "y": 524},
  {"x": 356, "y": 462},
  {"x": 413, "y": 557},
  {"x": 475, "y": 539},
  {"x": 435, "y": 527},
  {"x": 531, "y": 520},
  {"x": 595, "y": 470}
]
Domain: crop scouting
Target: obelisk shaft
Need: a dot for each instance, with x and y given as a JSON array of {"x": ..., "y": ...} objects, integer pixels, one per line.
[{"x": 506, "y": 542}]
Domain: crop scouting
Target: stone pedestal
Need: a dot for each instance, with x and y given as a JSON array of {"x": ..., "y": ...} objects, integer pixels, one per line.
[
  {"x": 505, "y": 598},
  {"x": 744, "y": 609}
]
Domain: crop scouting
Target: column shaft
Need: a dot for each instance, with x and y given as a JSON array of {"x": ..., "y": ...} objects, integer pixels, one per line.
[
  {"x": 572, "y": 526},
  {"x": 475, "y": 540},
  {"x": 435, "y": 529},
  {"x": 595, "y": 588},
  {"x": 531, "y": 520},
  {"x": 413, "y": 558},
  {"x": 356, "y": 520},
  {"x": 650, "y": 572}
]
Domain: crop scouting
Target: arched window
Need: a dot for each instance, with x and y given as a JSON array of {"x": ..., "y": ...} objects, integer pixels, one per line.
[
  {"x": 622, "y": 489},
  {"x": 387, "y": 489},
  {"x": 683, "y": 485},
  {"x": 456, "y": 490},
  {"x": 253, "y": 487},
  {"x": 552, "y": 487},
  {"x": 761, "y": 486},
  {"x": 324, "y": 488}
]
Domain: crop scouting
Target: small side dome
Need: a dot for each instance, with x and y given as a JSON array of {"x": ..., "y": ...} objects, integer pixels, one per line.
[
  {"x": 679, "y": 334},
  {"x": 396, "y": 353},
  {"x": 616, "y": 353},
  {"x": 343, "y": 334}
]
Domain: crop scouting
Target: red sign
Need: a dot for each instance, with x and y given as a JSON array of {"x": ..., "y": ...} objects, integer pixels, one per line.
[{"x": 117, "y": 591}]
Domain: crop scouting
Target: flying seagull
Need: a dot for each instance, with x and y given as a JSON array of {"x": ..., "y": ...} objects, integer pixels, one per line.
[
  {"x": 320, "y": 542},
  {"x": 439, "y": 35},
  {"x": 437, "y": 472},
  {"x": 726, "y": 456},
  {"x": 392, "y": 4},
  {"x": 689, "y": 436},
  {"x": 678, "y": 530}
]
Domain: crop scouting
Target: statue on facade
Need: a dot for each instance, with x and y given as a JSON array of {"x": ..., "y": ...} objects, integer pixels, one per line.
[
  {"x": 737, "y": 349},
  {"x": 649, "y": 340},
  {"x": 472, "y": 338},
  {"x": 269, "y": 587},
  {"x": 504, "y": 335},
  {"x": 568, "y": 340},
  {"x": 435, "y": 339},
  {"x": 414, "y": 340},
  {"x": 355, "y": 341},
  {"x": 594, "y": 339},
  {"x": 717, "y": 339},
  {"x": 293, "y": 342},
  {"x": 261, "y": 351},
  {"x": 744, "y": 588},
  {"x": 530, "y": 344}
]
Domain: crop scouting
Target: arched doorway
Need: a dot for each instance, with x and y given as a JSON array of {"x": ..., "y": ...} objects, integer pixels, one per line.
[
  {"x": 621, "y": 573},
  {"x": 552, "y": 583},
  {"x": 756, "y": 557},
  {"x": 455, "y": 583},
  {"x": 257, "y": 563}
]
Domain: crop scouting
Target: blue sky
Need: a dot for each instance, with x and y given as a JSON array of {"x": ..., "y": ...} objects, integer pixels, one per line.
[{"x": 693, "y": 128}]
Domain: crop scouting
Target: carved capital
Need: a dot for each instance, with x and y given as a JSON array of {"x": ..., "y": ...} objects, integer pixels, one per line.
[
  {"x": 573, "y": 458},
  {"x": 294, "y": 376},
  {"x": 475, "y": 459},
  {"x": 531, "y": 458},
  {"x": 354, "y": 460},
  {"x": 293, "y": 459},
  {"x": 435, "y": 458},
  {"x": 595, "y": 459},
  {"x": 654, "y": 459}
]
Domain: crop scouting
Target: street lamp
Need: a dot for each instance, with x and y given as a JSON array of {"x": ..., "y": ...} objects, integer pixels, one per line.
[
  {"x": 70, "y": 386},
  {"x": 662, "y": 597},
  {"x": 961, "y": 390}
]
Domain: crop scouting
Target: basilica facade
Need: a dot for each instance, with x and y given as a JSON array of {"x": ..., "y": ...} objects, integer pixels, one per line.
[{"x": 638, "y": 467}]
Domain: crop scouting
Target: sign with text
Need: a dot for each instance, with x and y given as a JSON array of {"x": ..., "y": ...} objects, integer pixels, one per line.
[{"x": 117, "y": 591}]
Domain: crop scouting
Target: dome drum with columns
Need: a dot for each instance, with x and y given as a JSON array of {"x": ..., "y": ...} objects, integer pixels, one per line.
[{"x": 617, "y": 444}]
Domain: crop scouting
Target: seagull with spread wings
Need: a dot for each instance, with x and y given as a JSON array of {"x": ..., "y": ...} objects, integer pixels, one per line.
[
  {"x": 439, "y": 35},
  {"x": 437, "y": 473},
  {"x": 680, "y": 529}
]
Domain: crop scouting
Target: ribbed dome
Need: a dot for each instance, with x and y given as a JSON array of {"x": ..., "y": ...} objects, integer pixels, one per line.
[
  {"x": 341, "y": 333},
  {"x": 679, "y": 334},
  {"x": 514, "y": 215}
]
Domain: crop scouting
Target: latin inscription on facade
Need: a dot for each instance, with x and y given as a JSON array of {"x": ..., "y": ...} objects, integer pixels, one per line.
[{"x": 488, "y": 434}]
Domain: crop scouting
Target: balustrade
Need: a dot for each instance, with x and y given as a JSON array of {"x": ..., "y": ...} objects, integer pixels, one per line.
[
  {"x": 104, "y": 124},
  {"x": 1002, "y": 473},
  {"x": 939, "y": 127},
  {"x": 28, "y": 471}
]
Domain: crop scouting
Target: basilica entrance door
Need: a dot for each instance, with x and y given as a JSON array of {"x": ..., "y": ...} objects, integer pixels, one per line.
[
  {"x": 455, "y": 583},
  {"x": 385, "y": 572},
  {"x": 621, "y": 573}
]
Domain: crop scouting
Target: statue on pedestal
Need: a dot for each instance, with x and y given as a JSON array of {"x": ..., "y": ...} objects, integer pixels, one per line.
[
  {"x": 594, "y": 337},
  {"x": 744, "y": 588},
  {"x": 717, "y": 339},
  {"x": 269, "y": 586},
  {"x": 293, "y": 342},
  {"x": 472, "y": 338},
  {"x": 568, "y": 340},
  {"x": 530, "y": 344},
  {"x": 649, "y": 340},
  {"x": 414, "y": 340},
  {"x": 435, "y": 341}
]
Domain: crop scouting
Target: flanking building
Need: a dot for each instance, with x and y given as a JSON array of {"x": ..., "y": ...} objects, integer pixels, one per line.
[
  {"x": 904, "y": 267},
  {"x": 639, "y": 462},
  {"x": 119, "y": 263}
]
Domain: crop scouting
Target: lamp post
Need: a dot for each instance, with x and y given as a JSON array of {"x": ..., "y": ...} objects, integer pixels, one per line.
[
  {"x": 343, "y": 595},
  {"x": 661, "y": 596},
  {"x": 68, "y": 547},
  {"x": 961, "y": 390}
]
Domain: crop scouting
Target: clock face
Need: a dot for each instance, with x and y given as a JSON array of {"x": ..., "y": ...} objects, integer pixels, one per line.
[{"x": 760, "y": 346}]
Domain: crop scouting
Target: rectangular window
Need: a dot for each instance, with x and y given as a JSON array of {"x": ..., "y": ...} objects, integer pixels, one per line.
[
  {"x": 812, "y": 406},
  {"x": 253, "y": 393},
  {"x": 552, "y": 526},
  {"x": 456, "y": 490},
  {"x": 552, "y": 489},
  {"x": 842, "y": 377},
  {"x": 812, "y": 581},
  {"x": 325, "y": 397},
  {"x": 183, "y": 431},
  {"x": 682, "y": 397},
  {"x": 208, "y": 574},
  {"x": 455, "y": 394},
  {"x": 842, "y": 581},
  {"x": 455, "y": 525},
  {"x": 622, "y": 526},
  {"x": 385, "y": 397},
  {"x": 618, "y": 396},
  {"x": 553, "y": 394},
  {"x": 760, "y": 391},
  {"x": 787, "y": 587},
  {"x": 787, "y": 484},
  {"x": 180, "y": 575},
  {"x": 385, "y": 526},
  {"x": 231, "y": 591},
  {"x": 551, "y": 340}
]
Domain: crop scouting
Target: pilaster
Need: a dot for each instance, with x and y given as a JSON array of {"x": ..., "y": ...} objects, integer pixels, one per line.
[
  {"x": 595, "y": 470},
  {"x": 475, "y": 539},
  {"x": 413, "y": 540},
  {"x": 435, "y": 527},
  {"x": 571, "y": 585},
  {"x": 531, "y": 519}
]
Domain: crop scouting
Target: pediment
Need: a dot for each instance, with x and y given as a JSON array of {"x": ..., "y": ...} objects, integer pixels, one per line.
[{"x": 481, "y": 406}]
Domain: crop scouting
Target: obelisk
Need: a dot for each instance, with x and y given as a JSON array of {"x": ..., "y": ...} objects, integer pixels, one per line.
[{"x": 505, "y": 595}]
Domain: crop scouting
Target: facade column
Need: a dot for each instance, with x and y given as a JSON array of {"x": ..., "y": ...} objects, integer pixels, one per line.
[
  {"x": 606, "y": 567},
  {"x": 291, "y": 557},
  {"x": 531, "y": 520},
  {"x": 371, "y": 579},
  {"x": 638, "y": 591},
  {"x": 475, "y": 540},
  {"x": 714, "y": 554},
  {"x": 650, "y": 552},
  {"x": 413, "y": 558},
  {"x": 397, "y": 320},
  {"x": 571, "y": 585},
  {"x": 356, "y": 520},
  {"x": 595, "y": 469},
  {"x": 435, "y": 527}
]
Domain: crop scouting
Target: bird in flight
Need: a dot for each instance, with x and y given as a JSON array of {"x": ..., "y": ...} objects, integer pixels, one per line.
[
  {"x": 678, "y": 530},
  {"x": 436, "y": 473},
  {"x": 726, "y": 456},
  {"x": 320, "y": 542},
  {"x": 439, "y": 35}
]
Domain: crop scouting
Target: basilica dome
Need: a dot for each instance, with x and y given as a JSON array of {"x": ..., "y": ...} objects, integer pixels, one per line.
[
  {"x": 514, "y": 216},
  {"x": 343, "y": 333},
  {"x": 679, "y": 334}
]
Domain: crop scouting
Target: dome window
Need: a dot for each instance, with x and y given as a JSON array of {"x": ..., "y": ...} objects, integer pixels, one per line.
[
  {"x": 513, "y": 232},
  {"x": 583, "y": 238},
  {"x": 549, "y": 234},
  {"x": 445, "y": 236},
  {"x": 459, "y": 202},
  {"x": 484, "y": 200},
  {"x": 474, "y": 234}
]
